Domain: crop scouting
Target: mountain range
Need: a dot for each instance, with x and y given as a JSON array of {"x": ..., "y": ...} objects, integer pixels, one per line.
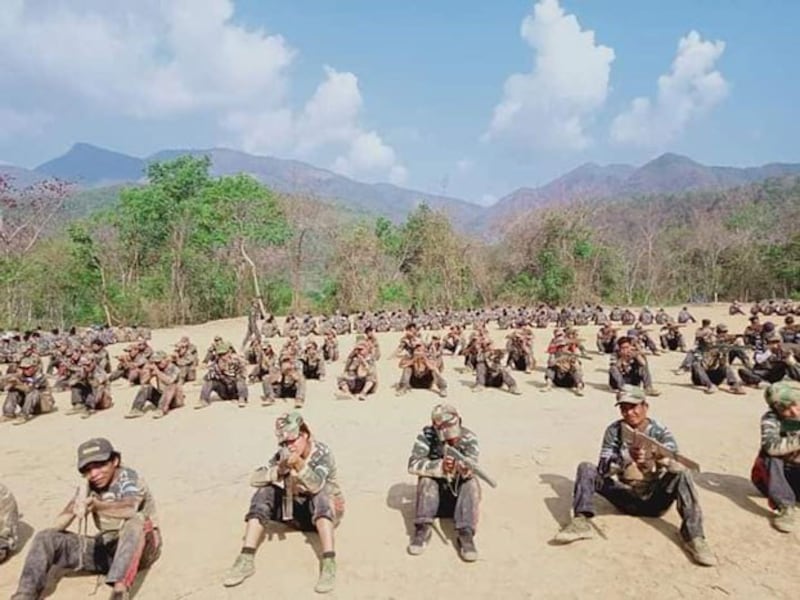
[{"x": 93, "y": 167}]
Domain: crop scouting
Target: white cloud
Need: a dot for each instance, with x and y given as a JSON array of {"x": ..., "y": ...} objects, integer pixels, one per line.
[
  {"x": 691, "y": 88},
  {"x": 159, "y": 59},
  {"x": 552, "y": 106},
  {"x": 22, "y": 123}
]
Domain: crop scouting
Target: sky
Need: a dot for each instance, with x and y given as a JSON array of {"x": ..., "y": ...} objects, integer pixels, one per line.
[{"x": 472, "y": 99}]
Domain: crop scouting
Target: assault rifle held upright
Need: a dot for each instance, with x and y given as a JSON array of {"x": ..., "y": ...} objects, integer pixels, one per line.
[{"x": 470, "y": 464}]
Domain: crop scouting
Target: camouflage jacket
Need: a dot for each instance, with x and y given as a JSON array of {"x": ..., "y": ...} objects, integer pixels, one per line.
[
  {"x": 318, "y": 472},
  {"x": 615, "y": 455},
  {"x": 780, "y": 437},
  {"x": 427, "y": 454},
  {"x": 126, "y": 484}
]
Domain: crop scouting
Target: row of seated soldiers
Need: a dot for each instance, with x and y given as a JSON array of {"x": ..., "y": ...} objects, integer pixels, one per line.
[{"x": 12, "y": 343}]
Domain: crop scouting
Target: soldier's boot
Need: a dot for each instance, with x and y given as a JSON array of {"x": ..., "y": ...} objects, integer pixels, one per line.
[
  {"x": 201, "y": 404},
  {"x": 87, "y": 413},
  {"x": 158, "y": 414},
  {"x": 579, "y": 528},
  {"x": 514, "y": 390},
  {"x": 547, "y": 387},
  {"x": 738, "y": 390},
  {"x": 76, "y": 409},
  {"x": 700, "y": 552},
  {"x": 466, "y": 545},
  {"x": 327, "y": 575},
  {"x": 242, "y": 403},
  {"x": 299, "y": 402},
  {"x": 243, "y": 567},
  {"x": 784, "y": 519},
  {"x": 135, "y": 413},
  {"x": 267, "y": 401},
  {"x": 120, "y": 595},
  {"x": 579, "y": 390},
  {"x": 651, "y": 391},
  {"x": 710, "y": 389},
  {"x": 6, "y": 418},
  {"x": 421, "y": 537},
  {"x": 22, "y": 419},
  {"x": 443, "y": 392}
]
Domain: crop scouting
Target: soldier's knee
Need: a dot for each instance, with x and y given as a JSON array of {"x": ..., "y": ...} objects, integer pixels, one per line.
[{"x": 586, "y": 470}]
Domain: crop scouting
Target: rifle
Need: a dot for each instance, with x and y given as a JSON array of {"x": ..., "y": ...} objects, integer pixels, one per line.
[
  {"x": 287, "y": 512},
  {"x": 469, "y": 463},
  {"x": 80, "y": 510},
  {"x": 637, "y": 439}
]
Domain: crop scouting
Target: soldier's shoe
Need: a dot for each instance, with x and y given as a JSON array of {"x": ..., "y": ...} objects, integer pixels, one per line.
[
  {"x": 547, "y": 387},
  {"x": 243, "y": 567},
  {"x": 652, "y": 392},
  {"x": 784, "y": 519},
  {"x": 120, "y": 595},
  {"x": 579, "y": 528},
  {"x": 267, "y": 401},
  {"x": 738, "y": 390},
  {"x": 579, "y": 390},
  {"x": 466, "y": 545},
  {"x": 135, "y": 413},
  {"x": 514, "y": 391},
  {"x": 6, "y": 418},
  {"x": 327, "y": 576},
  {"x": 77, "y": 409},
  {"x": 710, "y": 389},
  {"x": 201, "y": 404},
  {"x": 299, "y": 402},
  {"x": 477, "y": 388},
  {"x": 159, "y": 414},
  {"x": 700, "y": 552},
  {"x": 242, "y": 403},
  {"x": 443, "y": 393},
  {"x": 421, "y": 537},
  {"x": 22, "y": 419},
  {"x": 87, "y": 413}
]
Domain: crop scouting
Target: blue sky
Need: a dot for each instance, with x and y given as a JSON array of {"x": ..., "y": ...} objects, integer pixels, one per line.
[{"x": 470, "y": 98}]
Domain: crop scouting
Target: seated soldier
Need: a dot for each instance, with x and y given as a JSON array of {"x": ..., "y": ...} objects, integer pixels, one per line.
[
  {"x": 187, "y": 360},
  {"x": 160, "y": 388},
  {"x": 359, "y": 378},
  {"x": 267, "y": 364},
  {"x": 250, "y": 348},
  {"x": 446, "y": 487},
  {"x": 776, "y": 471},
  {"x": 286, "y": 382},
  {"x": 628, "y": 365},
  {"x": 330, "y": 346},
  {"x": 671, "y": 337},
  {"x": 563, "y": 367},
  {"x": 684, "y": 316},
  {"x": 606, "y": 339},
  {"x": 103, "y": 360},
  {"x": 225, "y": 378},
  {"x": 131, "y": 361},
  {"x": 519, "y": 346},
  {"x": 419, "y": 371},
  {"x": 9, "y": 523},
  {"x": 490, "y": 372},
  {"x": 313, "y": 362},
  {"x": 28, "y": 392},
  {"x": 123, "y": 510},
  {"x": 638, "y": 481},
  {"x": 453, "y": 340},
  {"x": 89, "y": 388},
  {"x": 662, "y": 318},
  {"x": 771, "y": 364},
  {"x": 628, "y": 317},
  {"x": 269, "y": 328},
  {"x": 735, "y": 308},
  {"x": 646, "y": 316},
  {"x": 711, "y": 367},
  {"x": 299, "y": 488}
]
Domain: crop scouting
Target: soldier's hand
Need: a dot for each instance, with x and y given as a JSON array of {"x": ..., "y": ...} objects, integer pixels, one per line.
[
  {"x": 294, "y": 461},
  {"x": 448, "y": 464},
  {"x": 463, "y": 470},
  {"x": 638, "y": 454}
]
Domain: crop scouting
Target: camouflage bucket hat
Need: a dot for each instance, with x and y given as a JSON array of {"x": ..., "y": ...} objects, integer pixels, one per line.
[
  {"x": 27, "y": 363},
  {"x": 288, "y": 426},
  {"x": 221, "y": 348},
  {"x": 630, "y": 394},
  {"x": 781, "y": 395},
  {"x": 446, "y": 421}
]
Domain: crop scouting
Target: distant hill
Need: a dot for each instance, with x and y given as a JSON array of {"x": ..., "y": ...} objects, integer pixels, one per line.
[
  {"x": 90, "y": 165},
  {"x": 668, "y": 173},
  {"x": 19, "y": 178}
]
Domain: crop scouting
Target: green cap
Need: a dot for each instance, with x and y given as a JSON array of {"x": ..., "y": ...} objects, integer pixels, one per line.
[
  {"x": 781, "y": 395},
  {"x": 287, "y": 426},
  {"x": 630, "y": 394}
]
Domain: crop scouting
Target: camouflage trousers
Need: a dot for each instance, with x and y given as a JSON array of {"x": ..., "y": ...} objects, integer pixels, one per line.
[
  {"x": 227, "y": 389},
  {"x": 770, "y": 373},
  {"x": 459, "y": 500},
  {"x": 494, "y": 377},
  {"x": 186, "y": 373},
  {"x": 92, "y": 397},
  {"x": 710, "y": 377},
  {"x": 314, "y": 371},
  {"x": 118, "y": 556},
  {"x": 638, "y": 375},
  {"x": 30, "y": 403},
  {"x": 425, "y": 380},
  {"x": 279, "y": 389},
  {"x": 777, "y": 479},
  {"x": 171, "y": 397},
  {"x": 671, "y": 488},
  {"x": 132, "y": 374},
  {"x": 669, "y": 342},
  {"x": 9, "y": 523},
  {"x": 521, "y": 361},
  {"x": 357, "y": 385},
  {"x": 267, "y": 504}
]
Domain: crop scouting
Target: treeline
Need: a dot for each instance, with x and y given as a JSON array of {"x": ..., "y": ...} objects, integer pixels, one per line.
[{"x": 188, "y": 247}]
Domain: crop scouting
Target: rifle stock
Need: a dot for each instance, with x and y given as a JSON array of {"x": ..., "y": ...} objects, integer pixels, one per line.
[{"x": 638, "y": 439}]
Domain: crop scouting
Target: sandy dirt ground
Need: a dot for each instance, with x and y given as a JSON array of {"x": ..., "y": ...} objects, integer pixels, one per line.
[{"x": 198, "y": 464}]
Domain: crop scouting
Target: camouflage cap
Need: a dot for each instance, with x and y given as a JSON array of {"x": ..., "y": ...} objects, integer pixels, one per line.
[
  {"x": 288, "y": 426},
  {"x": 781, "y": 395},
  {"x": 630, "y": 394},
  {"x": 159, "y": 355},
  {"x": 27, "y": 363},
  {"x": 446, "y": 421},
  {"x": 95, "y": 450},
  {"x": 722, "y": 328},
  {"x": 221, "y": 347}
]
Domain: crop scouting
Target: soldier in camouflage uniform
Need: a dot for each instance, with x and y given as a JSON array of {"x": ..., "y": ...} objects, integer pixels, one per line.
[
  {"x": 776, "y": 472},
  {"x": 226, "y": 377},
  {"x": 628, "y": 366},
  {"x": 254, "y": 314},
  {"x": 606, "y": 339},
  {"x": 123, "y": 510},
  {"x": 186, "y": 359},
  {"x": 684, "y": 316},
  {"x": 563, "y": 368},
  {"x": 9, "y": 523},
  {"x": 446, "y": 487},
  {"x": 313, "y": 362},
  {"x": 330, "y": 346},
  {"x": 771, "y": 364},
  {"x": 360, "y": 377},
  {"x": 27, "y": 391},
  {"x": 131, "y": 362},
  {"x": 101, "y": 357},
  {"x": 298, "y": 487},
  {"x": 671, "y": 337},
  {"x": 161, "y": 387},
  {"x": 286, "y": 382},
  {"x": 420, "y": 371},
  {"x": 491, "y": 372},
  {"x": 519, "y": 346},
  {"x": 636, "y": 481},
  {"x": 711, "y": 366},
  {"x": 89, "y": 387}
]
